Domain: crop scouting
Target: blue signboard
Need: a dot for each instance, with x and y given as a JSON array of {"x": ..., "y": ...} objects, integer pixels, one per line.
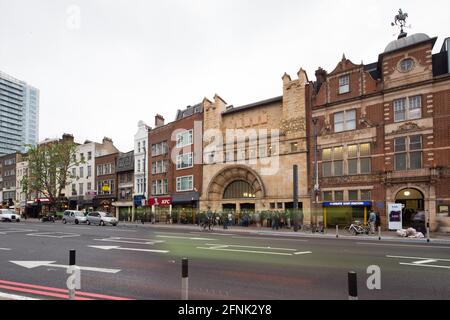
[
  {"x": 138, "y": 201},
  {"x": 348, "y": 204}
]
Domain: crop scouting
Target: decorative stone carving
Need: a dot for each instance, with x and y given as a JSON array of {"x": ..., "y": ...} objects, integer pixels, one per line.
[
  {"x": 293, "y": 125},
  {"x": 407, "y": 127}
]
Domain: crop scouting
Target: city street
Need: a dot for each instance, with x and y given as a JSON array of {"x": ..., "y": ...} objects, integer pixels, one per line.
[{"x": 145, "y": 263}]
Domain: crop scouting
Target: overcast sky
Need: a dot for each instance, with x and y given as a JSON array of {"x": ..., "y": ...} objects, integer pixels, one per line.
[{"x": 126, "y": 60}]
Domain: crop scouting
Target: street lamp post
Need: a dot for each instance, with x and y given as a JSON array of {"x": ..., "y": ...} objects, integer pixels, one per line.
[{"x": 316, "y": 173}]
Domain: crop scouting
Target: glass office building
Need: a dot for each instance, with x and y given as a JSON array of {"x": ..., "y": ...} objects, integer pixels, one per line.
[{"x": 19, "y": 115}]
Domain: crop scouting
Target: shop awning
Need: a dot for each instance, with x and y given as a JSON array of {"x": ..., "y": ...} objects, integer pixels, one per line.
[
  {"x": 348, "y": 204},
  {"x": 187, "y": 197}
]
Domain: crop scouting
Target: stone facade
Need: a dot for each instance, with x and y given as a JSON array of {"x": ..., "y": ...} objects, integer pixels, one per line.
[{"x": 266, "y": 168}]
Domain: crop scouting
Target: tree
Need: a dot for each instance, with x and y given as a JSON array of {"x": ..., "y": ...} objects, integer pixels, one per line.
[{"x": 49, "y": 170}]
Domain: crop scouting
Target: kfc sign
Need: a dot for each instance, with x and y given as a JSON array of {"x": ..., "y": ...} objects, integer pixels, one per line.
[{"x": 160, "y": 202}]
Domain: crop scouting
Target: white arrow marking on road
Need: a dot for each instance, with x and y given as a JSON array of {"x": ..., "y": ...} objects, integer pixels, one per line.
[
  {"x": 35, "y": 264},
  {"x": 127, "y": 249}
]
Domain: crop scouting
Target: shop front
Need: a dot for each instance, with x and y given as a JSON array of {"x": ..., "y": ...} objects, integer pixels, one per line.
[
  {"x": 161, "y": 209},
  {"x": 345, "y": 213},
  {"x": 104, "y": 205}
]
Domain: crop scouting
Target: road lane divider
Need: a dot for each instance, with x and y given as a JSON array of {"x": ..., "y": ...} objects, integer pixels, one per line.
[
  {"x": 401, "y": 245},
  {"x": 131, "y": 240},
  {"x": 8, "y": 231},
  {"x": 127, "y": 249},
  {"x": 54, "y": 292},
  {"x": 5, "y": 249},
  {"x": 58, "y": 235},
  {"x": 244, "y": 249},
  {"x": 422, "y": 262},
  {"x": 187, "y": 238}
]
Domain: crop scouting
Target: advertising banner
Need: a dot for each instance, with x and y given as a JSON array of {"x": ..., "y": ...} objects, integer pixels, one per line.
[{"x": 395, "y": 216}]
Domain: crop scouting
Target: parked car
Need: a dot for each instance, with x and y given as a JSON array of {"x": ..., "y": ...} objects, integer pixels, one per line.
[
  {"x": 101, "y": 219},
  {"x": 72, "y": 216},
  {"x": 9, "y": 216}
]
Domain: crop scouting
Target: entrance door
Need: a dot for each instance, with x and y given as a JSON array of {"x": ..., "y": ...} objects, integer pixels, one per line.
[{"x": 413, "y": 201}]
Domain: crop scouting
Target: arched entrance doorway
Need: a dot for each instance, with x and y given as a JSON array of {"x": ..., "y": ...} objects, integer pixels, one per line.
[
  {"x": 236, "y": 189},
  {"x": 413, "y": 201}
]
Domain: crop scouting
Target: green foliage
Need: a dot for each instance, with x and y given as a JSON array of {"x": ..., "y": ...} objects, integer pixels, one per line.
[{"x": 49, "y": 169}]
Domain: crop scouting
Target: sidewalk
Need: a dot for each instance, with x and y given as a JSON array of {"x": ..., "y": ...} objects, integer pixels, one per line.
[{"x": 330, "y": 233}]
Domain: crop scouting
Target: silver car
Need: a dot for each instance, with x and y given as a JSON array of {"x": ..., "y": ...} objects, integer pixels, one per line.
[
  {"x": 72, "y": 216},
  {"x": 101, "y": 219},
  {"x": 9, "y": 216}
]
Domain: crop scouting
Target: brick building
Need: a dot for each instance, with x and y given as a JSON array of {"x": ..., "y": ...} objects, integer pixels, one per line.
[
  {"x": 106, "y": 182},
  {"x": 125, "y": 181},
  {"x": 383, "y": 133},
  {"x": 175, "y": 165}
]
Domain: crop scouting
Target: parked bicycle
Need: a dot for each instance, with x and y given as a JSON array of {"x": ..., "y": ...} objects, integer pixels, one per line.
[
  {"x": 207, "y": 224},
  {"x": 357, "y": 229}
]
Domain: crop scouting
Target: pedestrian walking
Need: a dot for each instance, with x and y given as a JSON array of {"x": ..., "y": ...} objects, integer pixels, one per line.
[
  {"x": 378, "y": 221},
  {"x": 372, "y": 221}
]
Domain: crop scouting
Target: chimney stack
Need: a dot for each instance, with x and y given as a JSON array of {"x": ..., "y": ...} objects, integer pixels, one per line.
[{"x": 159, "y": 120}]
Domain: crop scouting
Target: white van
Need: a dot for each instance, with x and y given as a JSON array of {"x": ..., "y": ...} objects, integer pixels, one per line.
[{"x": 73, "y": 216}]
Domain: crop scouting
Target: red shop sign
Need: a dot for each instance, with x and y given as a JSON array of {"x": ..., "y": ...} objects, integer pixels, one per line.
[{"x": 160, "y": 202}]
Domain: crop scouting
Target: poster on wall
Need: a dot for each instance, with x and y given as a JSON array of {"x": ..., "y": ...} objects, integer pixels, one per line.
[{"x": 395, "y": 216}]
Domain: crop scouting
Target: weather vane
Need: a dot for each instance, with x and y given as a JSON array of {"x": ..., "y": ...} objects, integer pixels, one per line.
[{"x": 400, "y": 20}]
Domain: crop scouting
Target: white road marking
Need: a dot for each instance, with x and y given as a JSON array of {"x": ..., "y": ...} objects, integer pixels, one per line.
[
  {"x": 36, "y": 264},
  {"x": 224, "y": 247},
  {"x": 425, "y": 265},
  {"x": 216, "y": 234},
  {"x": 84, "y": 228},
  {"x": 425, "y": 261},
  {"x": 302, "y": 253},
  {"x": 131, "y": 240},
  {"x": 54, "y": 235},
  {"x": 422, "y": 262},
  {"x": 271, "y": 239},
  {"x": 189, "y": 238},
  {"x": 14, "y": 297},
  {"x": 7, "y": 231},
  {"x": 401, "y": 245},
  {"x": 5, "y": 249},
  {"x": 418, "y": 258},
  {"x": 249, "y": 247},
  {"x": 247, "y": 251},
  {"x": 127, "y": 249}
]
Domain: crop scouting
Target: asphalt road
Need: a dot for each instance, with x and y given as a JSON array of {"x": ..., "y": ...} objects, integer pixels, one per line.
[{"x": 144, "y": 263}]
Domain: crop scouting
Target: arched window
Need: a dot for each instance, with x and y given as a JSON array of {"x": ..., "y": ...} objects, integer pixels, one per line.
[{"x": 239, "y": 190}]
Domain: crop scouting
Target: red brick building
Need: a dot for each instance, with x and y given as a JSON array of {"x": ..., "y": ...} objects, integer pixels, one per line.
[
  {"x": 106, "y": 182},
  {"x": 175, "y": 164},
  {"x": 383, "y": 133}
]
